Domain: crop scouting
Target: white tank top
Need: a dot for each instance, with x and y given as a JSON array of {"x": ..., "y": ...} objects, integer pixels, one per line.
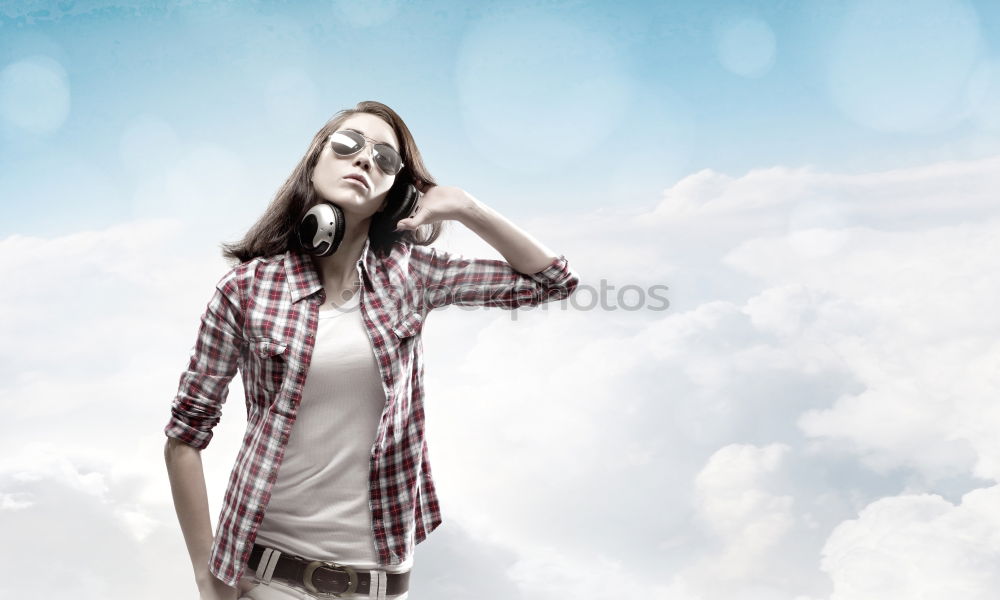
[{"x": 319, "y": 504}]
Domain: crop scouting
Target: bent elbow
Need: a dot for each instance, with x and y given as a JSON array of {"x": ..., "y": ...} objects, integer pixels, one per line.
[
  {"x": 571, "y": 284},
  {"x": 565, "y": 288}
]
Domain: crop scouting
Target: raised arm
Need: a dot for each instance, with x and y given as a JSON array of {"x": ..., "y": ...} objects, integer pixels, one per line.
[{"x": 531, "y": 275}]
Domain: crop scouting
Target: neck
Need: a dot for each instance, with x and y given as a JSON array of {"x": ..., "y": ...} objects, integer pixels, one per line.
[{"x": 338, "y": 268}]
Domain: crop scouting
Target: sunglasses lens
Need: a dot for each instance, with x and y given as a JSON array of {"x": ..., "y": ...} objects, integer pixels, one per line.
[
  {"x": 346, "y": 143},
  {"x": 387, "y": 159}
]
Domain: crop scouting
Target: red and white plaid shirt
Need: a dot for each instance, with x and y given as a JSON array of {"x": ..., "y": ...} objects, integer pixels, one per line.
[{"x": 262, "y": 321}]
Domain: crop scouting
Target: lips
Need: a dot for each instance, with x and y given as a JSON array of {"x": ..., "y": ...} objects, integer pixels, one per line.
[{"x": 357, "y": 178}]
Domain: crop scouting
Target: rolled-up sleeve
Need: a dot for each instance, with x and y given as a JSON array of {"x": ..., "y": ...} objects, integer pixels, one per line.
[
  {"x": 204, "y": 384},
  {"x": 456, "y": 279}
]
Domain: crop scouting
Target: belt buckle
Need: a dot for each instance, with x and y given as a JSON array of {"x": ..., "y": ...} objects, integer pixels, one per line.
[{"x": 311, "y": 568}]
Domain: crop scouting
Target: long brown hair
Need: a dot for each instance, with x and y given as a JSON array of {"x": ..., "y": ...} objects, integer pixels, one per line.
[{"x": 274, "y": 231}]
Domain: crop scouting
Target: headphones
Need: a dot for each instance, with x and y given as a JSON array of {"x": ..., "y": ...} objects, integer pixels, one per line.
[{"x": 321, "y": 228}]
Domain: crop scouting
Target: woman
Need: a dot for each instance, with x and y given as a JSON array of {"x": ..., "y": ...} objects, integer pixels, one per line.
[{"x": 329, "y": 340}]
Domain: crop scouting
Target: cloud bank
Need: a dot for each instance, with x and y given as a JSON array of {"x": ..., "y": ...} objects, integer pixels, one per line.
[{"x": 812, "y": 418}]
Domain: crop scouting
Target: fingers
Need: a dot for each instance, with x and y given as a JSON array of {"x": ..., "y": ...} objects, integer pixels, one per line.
[{"x": 409, "y": 222}]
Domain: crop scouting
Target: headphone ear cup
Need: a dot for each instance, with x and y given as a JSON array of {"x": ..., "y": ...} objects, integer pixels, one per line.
[
  {"x": 406, "y": 206},
  {"x": 321, "y": 229}
]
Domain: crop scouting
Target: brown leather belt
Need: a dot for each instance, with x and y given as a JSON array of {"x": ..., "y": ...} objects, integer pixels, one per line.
[{"x": 326, "y": 578}]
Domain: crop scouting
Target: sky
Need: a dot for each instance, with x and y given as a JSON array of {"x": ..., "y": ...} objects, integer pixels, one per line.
[{"x": 809, "y": 415}]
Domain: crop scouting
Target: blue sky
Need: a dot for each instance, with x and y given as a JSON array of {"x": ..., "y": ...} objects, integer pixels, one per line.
[
  {"x": 626, "y": 98},
  {"x": 813, "y": 417}
]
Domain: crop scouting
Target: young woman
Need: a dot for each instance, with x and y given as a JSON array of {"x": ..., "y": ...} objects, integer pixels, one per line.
[{"x": 322, "y": 316}]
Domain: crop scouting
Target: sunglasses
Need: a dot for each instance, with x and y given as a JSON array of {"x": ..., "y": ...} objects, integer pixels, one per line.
[{"x": 348, "y": 143}]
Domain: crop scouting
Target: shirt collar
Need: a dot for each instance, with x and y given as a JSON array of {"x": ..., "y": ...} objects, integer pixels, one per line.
[{"x": 303, "y": 275}]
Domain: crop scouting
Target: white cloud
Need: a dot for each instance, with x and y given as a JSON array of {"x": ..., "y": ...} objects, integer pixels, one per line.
[
  {"x": 918, "y": 546},
  {"x": 854, "y": 309},
  {"x": 813, "y": 360},
  {"x": 738, "y": 497},
  {"x": 548, "y": 572},
  {"x": 17, "y": 501},
  {"x": 109, "y": 546},
  {"x": 734, "y": 501}
]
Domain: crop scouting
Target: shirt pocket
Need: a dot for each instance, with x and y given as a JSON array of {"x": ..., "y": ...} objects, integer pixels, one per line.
[
  {"x": 268, "y": 364},
  {"x": 408, "y": 325}
]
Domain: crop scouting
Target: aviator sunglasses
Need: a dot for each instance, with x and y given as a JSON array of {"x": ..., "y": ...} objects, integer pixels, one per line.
[{"x": 348, "y": 143}]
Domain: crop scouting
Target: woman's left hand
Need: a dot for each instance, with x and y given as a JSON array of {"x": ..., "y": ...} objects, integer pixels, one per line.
[{"x": 438, "y": 203}]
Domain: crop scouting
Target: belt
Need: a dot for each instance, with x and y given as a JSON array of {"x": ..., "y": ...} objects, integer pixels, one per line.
[{"x": 326, "y": 578}]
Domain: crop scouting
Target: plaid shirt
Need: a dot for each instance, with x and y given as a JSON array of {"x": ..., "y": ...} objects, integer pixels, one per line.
[{"x": 262, "y": 321}]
